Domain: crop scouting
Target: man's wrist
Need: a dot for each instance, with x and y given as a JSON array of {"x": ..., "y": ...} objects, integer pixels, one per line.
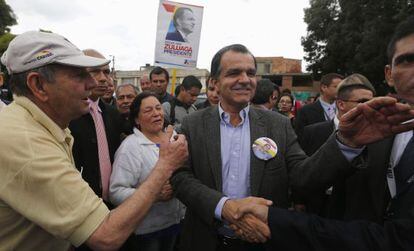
[
  {"x": 219, "y": 208},
  {"x": 163, "y": 170},
  {"x": 345, "y": 141},
  {"x": 164, "y": 166}
]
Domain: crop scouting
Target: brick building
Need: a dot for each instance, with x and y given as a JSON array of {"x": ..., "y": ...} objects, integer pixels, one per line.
[{"x": 287, "y": 74}]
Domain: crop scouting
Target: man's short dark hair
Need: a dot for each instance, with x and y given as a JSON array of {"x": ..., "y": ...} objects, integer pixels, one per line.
[
  {"x": 177, "y": 90},
  {"x": 353, "y": 82},
  {"x": 345, "y": 93},
  {"x": 215, "y": 63},
  {"x": 18, "y": 81},
  {"x": 158, "y": 71},
  {"x": 264, "y": 91},
  {"x": 327, "y": 78},
  {"x": 179, "y": 13},
  {"x": 403, "y": 29},
  {"x": 191, "y": 81}
]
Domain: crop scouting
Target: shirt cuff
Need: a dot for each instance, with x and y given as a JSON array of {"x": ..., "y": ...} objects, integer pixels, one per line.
[
  {"x": 90, "y": 224},
  {"x": 350, "y": 153},
  {"x": 219, "y": 207}
]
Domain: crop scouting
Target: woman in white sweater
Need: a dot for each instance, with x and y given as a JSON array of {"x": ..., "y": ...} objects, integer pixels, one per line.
[{"x": 134, "y": 161}]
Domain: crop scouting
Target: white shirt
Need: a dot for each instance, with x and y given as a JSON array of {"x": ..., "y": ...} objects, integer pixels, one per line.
[
  {"x": 328, "y": 109},
  {"x": 336, "y": 122},
  {"x": 398, "y": 147},
  {"x": 134, "y": 161}
]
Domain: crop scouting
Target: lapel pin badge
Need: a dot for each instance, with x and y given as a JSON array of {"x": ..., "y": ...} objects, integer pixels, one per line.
[{"x": 264, "y": 148}]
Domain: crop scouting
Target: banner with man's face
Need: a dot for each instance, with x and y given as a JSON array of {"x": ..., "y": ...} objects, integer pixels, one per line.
[{"x": 178, "y": 35}]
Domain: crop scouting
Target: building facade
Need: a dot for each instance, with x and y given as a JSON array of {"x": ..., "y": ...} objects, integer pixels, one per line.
[
  {"x": 133, "y": 77},
  {"x": 287, "y": 74}
]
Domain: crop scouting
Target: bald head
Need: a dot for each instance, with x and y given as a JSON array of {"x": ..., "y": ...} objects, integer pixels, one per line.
[
  {"x": 93, "y": 53},
  {"x": 145, "y": 83}
]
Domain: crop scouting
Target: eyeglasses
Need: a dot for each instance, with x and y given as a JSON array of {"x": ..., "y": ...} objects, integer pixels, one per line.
[
  {"x": 285, "y": 102},
  {"x": 363, "y": 100}
]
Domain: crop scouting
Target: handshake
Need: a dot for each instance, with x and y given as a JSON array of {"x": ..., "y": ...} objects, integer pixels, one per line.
[{"x": 248, "y": 218}]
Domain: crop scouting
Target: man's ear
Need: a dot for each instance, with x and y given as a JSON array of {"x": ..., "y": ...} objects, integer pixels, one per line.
[
  {"x": 340, "y": 104},
  {"x": 216, "y": 84},
  {"x": 323, "y": 88},
  {"x": 388, "y": 77},
  {"x": 271, "y": 99},
  {"x": 36, "y": 86}
]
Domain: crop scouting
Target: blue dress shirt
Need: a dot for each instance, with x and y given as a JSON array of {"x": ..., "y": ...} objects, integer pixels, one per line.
[{"x": 235, "y": 158}]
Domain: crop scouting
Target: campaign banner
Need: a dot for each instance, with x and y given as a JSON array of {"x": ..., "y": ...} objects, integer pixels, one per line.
[{"x": 178, "y": 35}]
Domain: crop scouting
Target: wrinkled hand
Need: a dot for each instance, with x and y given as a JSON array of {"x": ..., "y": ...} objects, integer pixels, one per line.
[
  {"x": 247, "y": 227},
  {"x": 166, "y": 192},
  {"x": 173, "y": 154},
  {"x": 374, "y": 120}
]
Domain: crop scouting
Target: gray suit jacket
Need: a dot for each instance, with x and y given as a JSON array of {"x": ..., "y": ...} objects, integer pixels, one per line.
[{"x": 199, "y": 184}]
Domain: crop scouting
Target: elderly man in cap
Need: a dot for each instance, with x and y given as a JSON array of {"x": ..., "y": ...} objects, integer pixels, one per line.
[{"x": 44, "y": 203}]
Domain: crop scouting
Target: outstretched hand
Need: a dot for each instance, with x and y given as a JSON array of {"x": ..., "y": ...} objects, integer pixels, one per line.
[{"x": 374, "y": 120}]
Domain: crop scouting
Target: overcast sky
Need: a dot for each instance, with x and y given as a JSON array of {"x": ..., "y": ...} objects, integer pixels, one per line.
[{"x": 127, "y": 28}]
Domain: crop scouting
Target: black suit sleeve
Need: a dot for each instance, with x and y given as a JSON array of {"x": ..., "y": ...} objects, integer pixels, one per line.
[
  {"x": 307, "y": 138},
  {"x": 295, "y": 231},
  {"x": 300, "y": 122}
]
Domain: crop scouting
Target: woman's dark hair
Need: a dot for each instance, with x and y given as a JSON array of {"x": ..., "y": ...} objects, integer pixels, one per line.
[
  {"x": 136, "y": 106},
  {"x": 287, "y": 95}
]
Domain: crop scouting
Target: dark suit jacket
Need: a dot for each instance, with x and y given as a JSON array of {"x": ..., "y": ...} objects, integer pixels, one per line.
[
  {"x": 315, "y": 135},
  {"x": 295, "y": 231},
  {"x": 307, "y": 115},
  {"x": 362, "y": 199},
  {"x": 175, "y": 36},
  {"x": 199, "y": 184},
  {"x": 85, "y": 147},
  {"x": 358, "y": 193},
  {"x": 364, "y": 194}
]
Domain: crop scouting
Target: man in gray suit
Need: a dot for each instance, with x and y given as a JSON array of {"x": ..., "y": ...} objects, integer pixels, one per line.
[{"x": 223, "y": 171}]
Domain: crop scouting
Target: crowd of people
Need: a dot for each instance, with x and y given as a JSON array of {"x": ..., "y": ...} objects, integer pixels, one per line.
[{"x": 91, "y": 165}]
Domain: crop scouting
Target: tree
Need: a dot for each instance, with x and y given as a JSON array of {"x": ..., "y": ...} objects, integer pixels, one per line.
[
  {"x": 4, "y": 41},
  {"x": 7, "y": 17},
  {"x": 351, "y": 36}
]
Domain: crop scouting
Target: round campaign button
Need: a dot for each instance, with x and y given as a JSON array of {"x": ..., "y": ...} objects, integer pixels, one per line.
[{"x": 264, "y": 148}]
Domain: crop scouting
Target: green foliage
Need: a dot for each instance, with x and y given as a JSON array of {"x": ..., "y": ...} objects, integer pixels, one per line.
[
  {"x": 7, "y": 17},
  {"x": 4, "y": 41},
  {"x": 346, "y": 36}
]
